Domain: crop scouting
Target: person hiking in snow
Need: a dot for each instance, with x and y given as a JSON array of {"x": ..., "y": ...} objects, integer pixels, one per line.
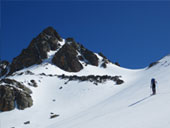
[{"x": 153, "y": 86}]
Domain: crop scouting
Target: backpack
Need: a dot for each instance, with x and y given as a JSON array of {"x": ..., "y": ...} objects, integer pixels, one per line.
[{"x": 153, "y": 81}]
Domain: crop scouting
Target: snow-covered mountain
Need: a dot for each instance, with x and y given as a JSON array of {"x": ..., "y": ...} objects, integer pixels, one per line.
[{"x": 58, "y": 83}]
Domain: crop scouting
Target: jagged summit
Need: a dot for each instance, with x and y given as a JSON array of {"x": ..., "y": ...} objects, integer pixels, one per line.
[
  {"x": 68, "y": 54},
  {"x": 51, "y": 32},
  {"x": 37, "y": 50}
]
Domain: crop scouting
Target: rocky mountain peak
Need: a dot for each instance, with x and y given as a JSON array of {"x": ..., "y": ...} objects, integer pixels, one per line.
[
  {"x": 37, "y": 50},
  {"x": 48, "y": 33},
  {"x": 70, "y": 55}
]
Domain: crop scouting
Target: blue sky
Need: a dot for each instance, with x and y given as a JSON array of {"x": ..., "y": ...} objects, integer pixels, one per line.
[{"x": 131, "y": 33}]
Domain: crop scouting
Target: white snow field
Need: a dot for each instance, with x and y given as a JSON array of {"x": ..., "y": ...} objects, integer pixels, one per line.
[{"x": 86, "y": 105}]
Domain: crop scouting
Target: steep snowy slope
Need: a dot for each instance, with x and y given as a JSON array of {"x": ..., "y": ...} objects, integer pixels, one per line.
[
  {"x": 83, "y": 104},
  {"x": 54, "y": 96},
  {"x": 132, "y": 106},
  {"x": 61, "y": 84}
]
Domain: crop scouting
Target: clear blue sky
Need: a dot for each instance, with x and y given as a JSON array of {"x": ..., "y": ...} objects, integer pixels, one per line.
[{"x": 132, "y": 33}]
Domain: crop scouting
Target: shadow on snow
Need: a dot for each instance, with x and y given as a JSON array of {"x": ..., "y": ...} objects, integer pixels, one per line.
[{"x": 139, "y": 101}]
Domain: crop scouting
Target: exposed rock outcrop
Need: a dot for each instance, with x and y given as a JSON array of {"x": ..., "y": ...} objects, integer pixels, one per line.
[
  {"x": 4, "y": 67},
  {"x": 69, "y": 56},
  {"x": 92, "y": 78},
  {"x": 23, "y": 100},
  {"x": 37, "y": 50},
  {"x": 105, "y": 61},
  {"x": 66, "y": 58},
  {"x": 104, "y": 65},
  {"x": 152, "y": 64},
  {"x": 14, "y": 94},
  {"x": 101, "y": 54},
  {"x": 16, "y": 84},
  {"x": 7, "y": 98},
  {"x": 89, "y": 56},
  {"x": 33, "y": 83},
  {"x": 116, "y": 63}
]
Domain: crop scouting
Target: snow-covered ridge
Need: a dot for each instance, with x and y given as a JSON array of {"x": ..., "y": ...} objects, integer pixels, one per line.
[
  {"x": 49, "y": 48},
  {"x": 89, "y": 98},
  {"x": 83, "y": 104}
]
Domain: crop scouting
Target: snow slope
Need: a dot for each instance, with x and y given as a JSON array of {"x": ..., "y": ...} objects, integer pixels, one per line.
[{"x": 85, "y": 105}]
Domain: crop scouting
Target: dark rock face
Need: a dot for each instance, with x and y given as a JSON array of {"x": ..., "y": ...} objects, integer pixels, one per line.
[
  {"x": 66, "y": 59},
  {"x": 53, "y": 116},
  {"x": 105, "y": 61},
  {"x": 119, "y": 82},
  {"x": 33, "y": 83},
  {"x": 7, "y": 98},
  {"x": 14, "y": 94},
  {"x": 116, "y": 63},
  {"x": 90, "y": 56},
  {"x": 101, "y": 54},
  {"x": 16, "y": 84},
  {"x": 27, "y": 58},
  {"x": 104, "y": 65},
  {"x": 152, "y": 64},
  {"x": 27, "y": 122},
  {"x": 37, "y": 50},
  {"x": 4, "y": 66},
  {"x": 52, "y": 32},
  {"x": 23, "y": 100}
]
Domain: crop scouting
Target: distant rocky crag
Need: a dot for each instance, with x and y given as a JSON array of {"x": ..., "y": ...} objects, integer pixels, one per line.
[{"x": 67, "y": 58}]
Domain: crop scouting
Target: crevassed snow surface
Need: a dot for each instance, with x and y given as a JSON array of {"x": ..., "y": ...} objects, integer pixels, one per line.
[{"x": 85, "y": 105}]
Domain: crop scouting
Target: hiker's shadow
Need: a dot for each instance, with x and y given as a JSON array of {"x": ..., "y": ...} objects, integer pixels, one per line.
[{"x": 139, "y": 101}]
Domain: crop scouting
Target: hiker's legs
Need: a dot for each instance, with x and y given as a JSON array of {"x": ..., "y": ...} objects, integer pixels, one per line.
[{"x": 154, "y": 91}]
